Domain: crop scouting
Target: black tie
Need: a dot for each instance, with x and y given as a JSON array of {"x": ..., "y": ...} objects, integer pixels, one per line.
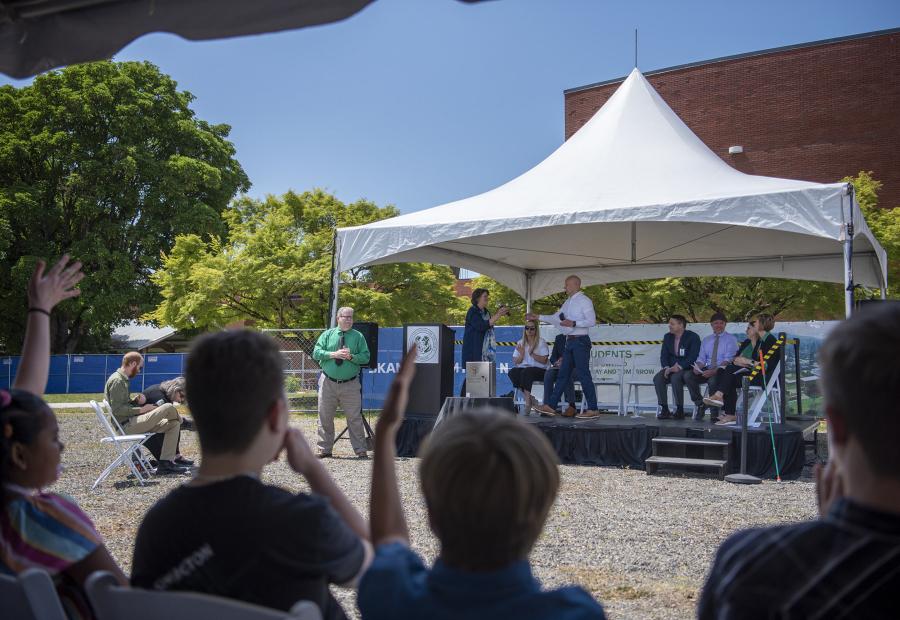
[{"x": 339, "y": 361}]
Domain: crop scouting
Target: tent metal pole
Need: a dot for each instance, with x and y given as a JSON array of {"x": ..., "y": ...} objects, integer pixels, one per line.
[
  {"x": 848, "y": 254},
  {"x": 527, "y": 293},
  {"x": 335, "y": 282}
]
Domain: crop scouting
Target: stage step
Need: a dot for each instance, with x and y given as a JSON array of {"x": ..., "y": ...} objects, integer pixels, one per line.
[
  {"x": 654, "y": 462},
  {"x": 670, "y": 450}
]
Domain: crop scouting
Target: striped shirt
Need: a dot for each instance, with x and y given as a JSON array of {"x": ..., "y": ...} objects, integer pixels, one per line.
[
  {"x": 50, "y": 532},
  {"x": 844, "y": 566}
]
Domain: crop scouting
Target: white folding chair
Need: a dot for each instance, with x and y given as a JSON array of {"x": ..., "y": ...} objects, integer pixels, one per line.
[
  {"x": 125, "y": 444},
  {"x": 637, "y": 384},
  {"x": 30, "y": 596},
  {"x": 144, "y": 459},
  {"x": 113, "y": 602},
  {"x": 759, "y": 400},
  {"x": 609, "y": 374}
]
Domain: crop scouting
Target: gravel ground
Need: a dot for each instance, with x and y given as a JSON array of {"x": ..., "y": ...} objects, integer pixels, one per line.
[{"x": 642, "y": 545}]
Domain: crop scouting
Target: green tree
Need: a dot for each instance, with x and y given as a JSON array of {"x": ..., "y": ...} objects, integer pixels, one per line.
[
  {"x": 105, "y": 161},
  {"x": 275, "y": 268},
  {"x": 884, "y": 223}
]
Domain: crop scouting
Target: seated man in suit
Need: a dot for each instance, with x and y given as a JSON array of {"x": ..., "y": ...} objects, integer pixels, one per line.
[
  {"x": 680, "y": 349},
  {"x": 559, "y": 347},
  {"x": 846, "y": 564},
  {"x": 716, "y": 350}
]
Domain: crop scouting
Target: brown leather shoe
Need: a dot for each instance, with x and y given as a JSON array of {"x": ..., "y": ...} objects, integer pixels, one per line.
[
  {"x": 323, "y": 455},
  {"x": 545, "y": 410},
  {"x": 362, "y": 455},
  {"x": 588, "y": 415},
  {"x": 570, "y": 412}
]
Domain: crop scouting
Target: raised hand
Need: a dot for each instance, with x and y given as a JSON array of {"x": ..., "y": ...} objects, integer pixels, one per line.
[
  {"x": 829, "y": 485},
  {"x": 299, "y": 455},
  {"x": 47, "y": 291},
  {"x": 395, "y": 404}
]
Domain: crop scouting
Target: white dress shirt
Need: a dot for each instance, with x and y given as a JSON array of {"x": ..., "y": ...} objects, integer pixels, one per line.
[
  {"x": 541, "y": 349},
  {"x": 578, "y": 308}
]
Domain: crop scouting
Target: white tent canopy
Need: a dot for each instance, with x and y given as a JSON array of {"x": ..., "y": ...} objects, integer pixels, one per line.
[{"x": 634, "y": 194}]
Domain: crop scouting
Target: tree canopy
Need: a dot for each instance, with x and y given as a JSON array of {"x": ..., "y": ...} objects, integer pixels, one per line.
[
  {"x": 105, "y": 161},
  {"x": 274, "y": 268},
  {"x": 740, "y": 299}
]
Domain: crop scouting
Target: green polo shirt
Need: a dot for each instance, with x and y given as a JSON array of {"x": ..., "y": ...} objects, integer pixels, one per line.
[{"x": 328, "y": 342}]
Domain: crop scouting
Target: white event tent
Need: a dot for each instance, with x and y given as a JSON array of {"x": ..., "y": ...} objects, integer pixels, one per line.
[{"x": 634, "y": 194}]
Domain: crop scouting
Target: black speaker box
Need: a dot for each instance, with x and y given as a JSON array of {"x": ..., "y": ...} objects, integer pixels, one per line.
[{"x": 369, "y": 330}]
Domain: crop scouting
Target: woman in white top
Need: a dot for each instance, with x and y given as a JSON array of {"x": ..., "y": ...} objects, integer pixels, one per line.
[{"x": 530, "y": 359}]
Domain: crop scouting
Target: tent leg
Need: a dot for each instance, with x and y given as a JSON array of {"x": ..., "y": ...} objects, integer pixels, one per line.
[
  {"x": 335, "y": 284},
  {"x": 848, "y": 273},
  {"x": 527, "y": 293}
]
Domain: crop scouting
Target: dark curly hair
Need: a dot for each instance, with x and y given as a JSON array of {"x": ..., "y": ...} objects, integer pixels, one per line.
[
  {"x": 477, "y": 293},
  {"x": 22, "y": 417}
]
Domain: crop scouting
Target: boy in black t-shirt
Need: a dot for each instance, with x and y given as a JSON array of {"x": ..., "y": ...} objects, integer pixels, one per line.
[{"x": 227, "y": 533}]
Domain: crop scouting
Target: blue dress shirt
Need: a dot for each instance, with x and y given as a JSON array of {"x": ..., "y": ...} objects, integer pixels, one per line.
[{"x": 728, "y": 348}]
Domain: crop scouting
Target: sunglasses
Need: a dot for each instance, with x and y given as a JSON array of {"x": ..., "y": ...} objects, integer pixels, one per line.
[{"x": 529, "y": 328}]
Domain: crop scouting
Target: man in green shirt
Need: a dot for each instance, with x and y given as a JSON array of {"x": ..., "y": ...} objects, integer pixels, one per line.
[
  {"x": 340, "y": 351},
  {"x": 136, "y": 416}
]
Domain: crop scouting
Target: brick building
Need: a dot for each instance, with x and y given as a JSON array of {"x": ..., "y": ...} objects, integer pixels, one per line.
[{"x": 816, "y": 111}]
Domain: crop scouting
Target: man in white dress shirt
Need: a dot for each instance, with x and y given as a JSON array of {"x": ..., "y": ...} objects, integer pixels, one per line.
[{"x": 574, "y": 320}]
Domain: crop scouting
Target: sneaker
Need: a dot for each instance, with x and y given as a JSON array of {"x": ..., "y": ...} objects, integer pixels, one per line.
[
  {"x": 712, "y": 401},
  {"x": 570, "y": 411},
  {"x": 182, "y": 462},
  {"x": 168, "y": 468},
  {"x": 588, "y": 415},
  {"x": 679, "y": 414},
  {"x": 546, "y": 411},
  {"x": 187, "y": 424}
]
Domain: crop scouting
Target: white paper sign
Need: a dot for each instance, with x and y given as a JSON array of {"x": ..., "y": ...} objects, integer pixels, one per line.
[{"x": 426, "y": 337}]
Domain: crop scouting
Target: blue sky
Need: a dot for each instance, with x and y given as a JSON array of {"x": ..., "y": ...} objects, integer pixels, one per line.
[{"x": 421, "y": 102}]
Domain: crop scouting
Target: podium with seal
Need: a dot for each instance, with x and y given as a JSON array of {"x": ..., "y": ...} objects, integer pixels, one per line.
[{"x": 434, "y": 367}]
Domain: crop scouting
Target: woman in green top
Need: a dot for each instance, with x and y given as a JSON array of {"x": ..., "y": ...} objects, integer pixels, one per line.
[{"x": 759, "y": 338}]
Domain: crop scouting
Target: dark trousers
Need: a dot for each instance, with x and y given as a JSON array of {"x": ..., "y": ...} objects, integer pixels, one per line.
[
  {"x": 523, "y": 377},
  {"x": 728, "y": 381},
  {"x": 550, "y": 382},
  {"x": 576, "y": 358},
  {"x": 660, "y": 381},
  {"x": 693, "y": 383}
]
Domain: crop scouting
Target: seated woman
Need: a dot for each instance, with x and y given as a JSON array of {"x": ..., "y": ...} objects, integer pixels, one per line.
[
  {"x": 530, "y": 359},
  {"x": 728, "y": 378},
  {"x": 37, "y": 529},
  {"x": 171, "y": 391}
]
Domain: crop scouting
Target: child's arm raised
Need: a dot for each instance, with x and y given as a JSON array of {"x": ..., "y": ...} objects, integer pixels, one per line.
[
  {"x": 385, "y": 510},
  {"x": 43, "y": 293}
]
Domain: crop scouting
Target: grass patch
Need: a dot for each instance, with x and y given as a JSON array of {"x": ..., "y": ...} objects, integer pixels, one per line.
[
  {"x": 604, "y": 586},
  {"x": 72, "y": 398}
]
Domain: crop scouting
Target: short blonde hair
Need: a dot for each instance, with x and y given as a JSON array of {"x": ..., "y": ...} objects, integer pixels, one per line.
[
  {"x": 489, "y": 482},
  {"x": 765, "y": 323},
  {"x": 131, "y": 357}
]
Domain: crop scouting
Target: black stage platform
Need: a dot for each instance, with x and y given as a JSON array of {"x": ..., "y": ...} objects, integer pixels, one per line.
[{"x": 627, "y": 442}]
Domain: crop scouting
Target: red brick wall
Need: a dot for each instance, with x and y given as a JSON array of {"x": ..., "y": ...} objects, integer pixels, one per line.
[{"x": 817, "y": 113}]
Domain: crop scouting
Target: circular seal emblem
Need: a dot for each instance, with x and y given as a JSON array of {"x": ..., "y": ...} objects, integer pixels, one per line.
[{"x": 426, "y": 340}]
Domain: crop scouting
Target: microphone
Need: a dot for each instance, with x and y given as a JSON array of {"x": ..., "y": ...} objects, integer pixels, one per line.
[
  {"x": 562, "y": 317},
  {"x": 339, "y": 361}
]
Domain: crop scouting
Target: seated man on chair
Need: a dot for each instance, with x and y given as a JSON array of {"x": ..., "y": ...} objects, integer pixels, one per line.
[
  {"x": 680, "y": 349},
  {"x": 716, "y": 350},
  {"x": 550, "y": 375},
  {"x": 137, "y": 417}
]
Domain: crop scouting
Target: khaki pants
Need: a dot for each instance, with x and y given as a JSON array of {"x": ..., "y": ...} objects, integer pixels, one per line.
[
  {"x": 163, "y": 419},
  {"x": 350, "y": 398}
]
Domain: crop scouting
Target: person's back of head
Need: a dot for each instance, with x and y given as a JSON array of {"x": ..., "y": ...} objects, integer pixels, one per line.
[
  {"x": 860, "y": 380},
  {"x": 234, "y": 377},
  {"x": 489, "y": 482}
]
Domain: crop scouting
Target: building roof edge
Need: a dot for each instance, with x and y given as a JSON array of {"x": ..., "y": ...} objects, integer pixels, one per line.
[{"x": 772, "y": 50}]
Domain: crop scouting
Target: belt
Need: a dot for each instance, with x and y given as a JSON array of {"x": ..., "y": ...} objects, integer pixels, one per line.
[
  {"x": 338, "y": 380},
  {"x": 578, "y": 336}
]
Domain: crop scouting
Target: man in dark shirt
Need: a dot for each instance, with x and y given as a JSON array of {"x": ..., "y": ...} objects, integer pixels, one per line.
[
  {"x": 225, "y": 532},
  {"x": 171, "y": 391},
  {"x": 847, "y": 564}
]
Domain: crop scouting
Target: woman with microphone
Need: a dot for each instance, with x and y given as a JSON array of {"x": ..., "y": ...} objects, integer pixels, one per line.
[{"x": 478, "y": 339}]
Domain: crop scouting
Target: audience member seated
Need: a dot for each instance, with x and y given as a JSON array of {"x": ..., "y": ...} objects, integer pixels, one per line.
[
  {"x": 489, "y": 482},
  {"x": 550, "y": 375},
  {"x": 136, "y": 415},
  {"x": 39, "y": 529},
  {"x": 846, "y": 564},
  {"x": 679, "y": 351},
  {"x": 716, "y": 350},
  {"x": 759, "y": 339},
  {"x": 226, "y": 532},
  {"x": 171, "y": 391},
  {"x": 530, "y": 359}
]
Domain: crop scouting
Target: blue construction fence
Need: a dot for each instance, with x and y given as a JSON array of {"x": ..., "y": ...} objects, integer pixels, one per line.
[{"x": 87, "y": 374}]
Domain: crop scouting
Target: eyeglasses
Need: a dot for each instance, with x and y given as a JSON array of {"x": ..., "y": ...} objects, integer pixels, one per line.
[
  {"x": 345, "y": 316},
  {"x": 529, "y": 328}
]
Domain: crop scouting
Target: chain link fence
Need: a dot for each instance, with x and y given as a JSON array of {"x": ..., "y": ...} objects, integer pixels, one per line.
[{"x": 301, "y": 371}]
